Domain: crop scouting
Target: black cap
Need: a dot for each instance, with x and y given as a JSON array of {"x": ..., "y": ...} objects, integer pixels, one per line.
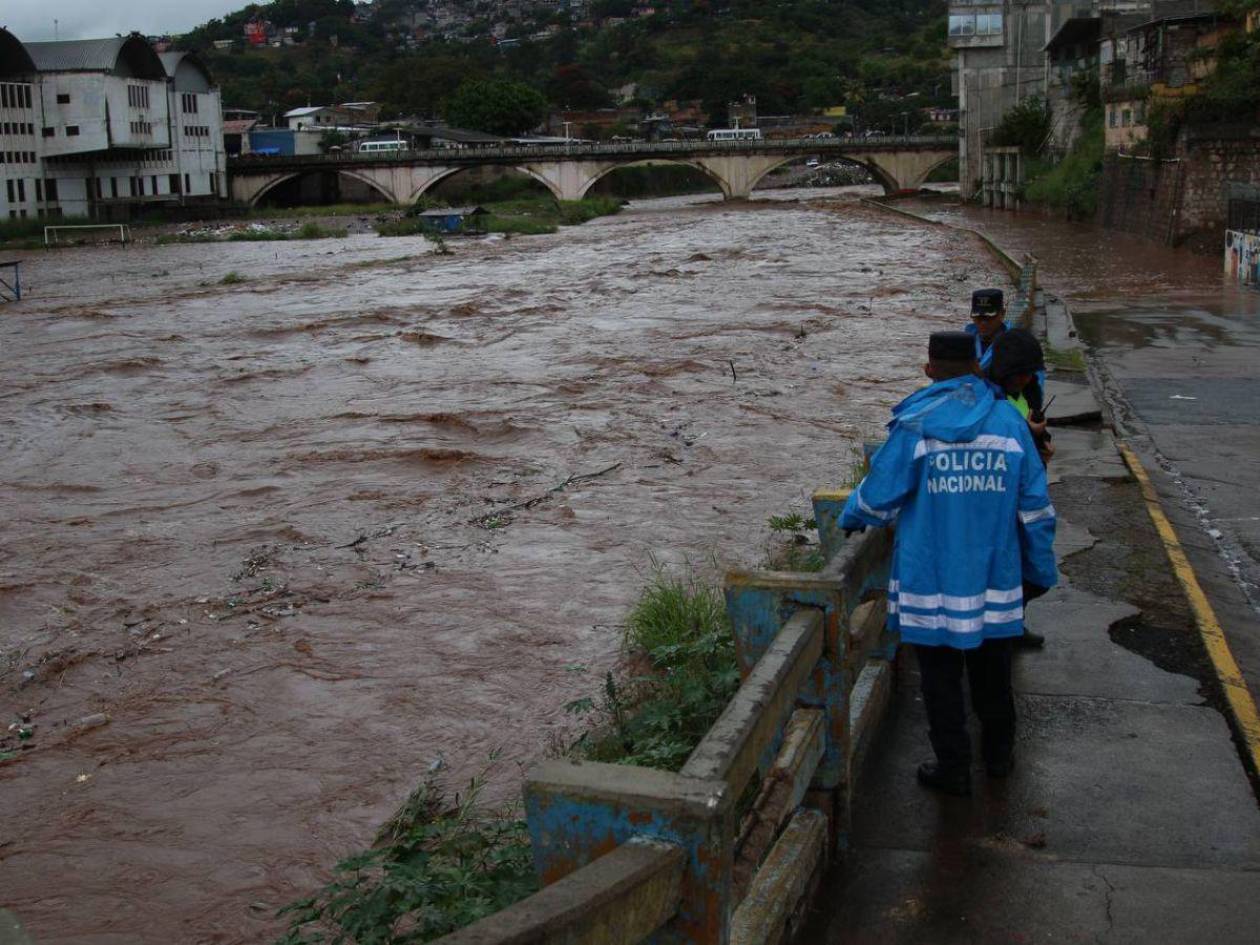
[
  {"x": 987, "y": 302},
  {"x": 1016, "y": 351},
  {"x": 951, "y": 346}
]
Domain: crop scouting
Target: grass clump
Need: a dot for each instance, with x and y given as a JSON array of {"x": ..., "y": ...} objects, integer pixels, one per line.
[
  {"x": 1070, "y": 359},
  {"x": 575, "y": 212},
  {"x": 521, "y": 225},
  {"x": 250, "y": 235},
  {"x": 315, "y": 231},
  {"x": 792, "y": 548},
  {"x": 232, "y": 278},
  {"x": 407, "y": 226},
  {"x": 436, "y": 866},
  {"x": 537, "y": 215},
  {"x": 679, "y": 631}
]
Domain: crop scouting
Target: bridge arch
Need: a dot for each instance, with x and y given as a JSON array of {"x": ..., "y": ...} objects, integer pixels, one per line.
[
  {"x": 648, "y": 162},
  {"x": 871, "y": 167},
  {"x": 353, "y": 175},
  {"x": 927, "y": 171},
  {"x": 446, "y": 173}
]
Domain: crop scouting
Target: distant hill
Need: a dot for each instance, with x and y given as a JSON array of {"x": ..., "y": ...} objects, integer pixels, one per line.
[{"x": 884, "y": 59}]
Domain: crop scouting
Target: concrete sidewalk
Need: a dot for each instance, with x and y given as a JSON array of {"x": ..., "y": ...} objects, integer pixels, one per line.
[{"x": 1129, "y": 817}]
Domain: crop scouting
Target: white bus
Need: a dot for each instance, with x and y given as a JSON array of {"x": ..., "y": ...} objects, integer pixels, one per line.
[
  {"x": 735, "y": 134},
  {"x": 376, "y": 147}
]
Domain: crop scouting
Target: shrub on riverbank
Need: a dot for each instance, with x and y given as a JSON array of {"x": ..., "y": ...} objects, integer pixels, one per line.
[
  {"x": 437, "y": 865},
  {"x": 527, "y": 216},
  {"x": 679, "y": 634},
  {"x": 1071, "y": 186}
]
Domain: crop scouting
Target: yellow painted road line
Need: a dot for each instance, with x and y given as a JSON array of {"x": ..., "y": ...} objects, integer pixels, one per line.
[{"x": 1241, "y": 703}]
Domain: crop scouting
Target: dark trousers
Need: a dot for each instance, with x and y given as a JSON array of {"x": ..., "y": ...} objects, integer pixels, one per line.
[{"x": 989, "y": 673}]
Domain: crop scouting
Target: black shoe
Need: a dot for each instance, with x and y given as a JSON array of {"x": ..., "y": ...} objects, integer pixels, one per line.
[
  {"x": 1030, "y": 641},
  {"x": 947, "y": 781},
  {"x": 1000, "y": 769}
]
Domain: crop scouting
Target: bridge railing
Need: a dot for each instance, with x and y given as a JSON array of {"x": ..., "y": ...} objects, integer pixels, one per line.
[
  {"x": 621, "y": 149},
  {"x": 628, "y": 853}
]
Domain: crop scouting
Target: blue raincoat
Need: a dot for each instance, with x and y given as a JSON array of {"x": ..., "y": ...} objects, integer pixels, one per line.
[
  {"x": 961, "y": 477},
  {"x": 985, "y": 356}
]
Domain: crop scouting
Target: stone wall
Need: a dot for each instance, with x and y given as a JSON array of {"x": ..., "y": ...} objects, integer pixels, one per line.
[
  {"x": 1181, "y": 200},
  {"x": 1214, "y": 158},
  {"x": 1138, "y": 195}
]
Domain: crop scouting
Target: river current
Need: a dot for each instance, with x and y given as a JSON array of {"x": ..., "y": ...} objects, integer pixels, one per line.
[{"x": 286, "y": 523}]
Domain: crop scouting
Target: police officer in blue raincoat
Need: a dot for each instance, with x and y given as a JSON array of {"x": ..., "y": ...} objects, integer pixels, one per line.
[
  {"x": 988, "y": 321},
  {"x": 960, "y": 476}
]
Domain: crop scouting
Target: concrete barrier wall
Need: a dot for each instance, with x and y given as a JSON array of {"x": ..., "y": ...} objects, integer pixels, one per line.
[{"x": 628, "y": 854}]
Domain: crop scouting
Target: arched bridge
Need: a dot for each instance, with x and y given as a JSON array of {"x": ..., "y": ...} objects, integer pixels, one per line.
[{"x": 569, "y": 171}]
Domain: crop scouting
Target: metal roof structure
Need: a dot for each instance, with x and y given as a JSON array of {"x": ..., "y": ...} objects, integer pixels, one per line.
[
  {"x": 14, "y": 59},
  {"x": 121, "y": 55},
  {"x": 308, "y": 110},
  {"x": 239, "y": 126},
  {"x": 174, "y": 60}
]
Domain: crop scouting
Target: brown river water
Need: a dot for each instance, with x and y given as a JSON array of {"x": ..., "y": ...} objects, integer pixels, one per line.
[{"x": 266, "y": 528}]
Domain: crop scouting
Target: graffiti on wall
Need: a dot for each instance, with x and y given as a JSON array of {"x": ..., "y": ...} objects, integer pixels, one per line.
[{"x": 1242, "y": 256}]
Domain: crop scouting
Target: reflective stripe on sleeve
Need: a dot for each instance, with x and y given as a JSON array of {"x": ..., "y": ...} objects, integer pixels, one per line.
[{"x": 1036, "y": 515}]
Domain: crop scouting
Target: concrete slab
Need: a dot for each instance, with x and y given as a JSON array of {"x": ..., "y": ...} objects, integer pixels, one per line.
[
  {"x": 1073, "y": 403},
  {"x": 1080, "y": 659},
  {"x": 1009, "y": 893},
  {"x": 1070, "y": 539},
  {"x": 1096, "y": 780},
  {"x": 1086, "y": 453}
]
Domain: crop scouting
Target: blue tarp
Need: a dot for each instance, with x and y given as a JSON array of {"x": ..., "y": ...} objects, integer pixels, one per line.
[{"x": 272, "y": 141}]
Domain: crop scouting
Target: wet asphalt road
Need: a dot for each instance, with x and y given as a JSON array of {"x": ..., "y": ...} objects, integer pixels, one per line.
[{"x": 1184, "y": 388}]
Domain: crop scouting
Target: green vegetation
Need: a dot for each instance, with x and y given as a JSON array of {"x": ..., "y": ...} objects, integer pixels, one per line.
[
  {"x": 315, "y": 231},
  {"x": 529, "y": 216},
  {"x": 436, "y": 866},
  {"x": 1026, "y": 126},
  {"x": 497, "y": 106},
  {"x": 794, "y": 56},
  {"x": 791, "y": 547},
  {"x": 1071, "y": 186},
  {"x": 307, "y": 231},
  {"x": 232, "y": 278},
  {"x": 1071, "y": 359},
  {"x": 679, "y": 629}
]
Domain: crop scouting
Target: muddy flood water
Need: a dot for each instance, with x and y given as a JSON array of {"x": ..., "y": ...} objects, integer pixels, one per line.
[{"x": 296, "y": 537}]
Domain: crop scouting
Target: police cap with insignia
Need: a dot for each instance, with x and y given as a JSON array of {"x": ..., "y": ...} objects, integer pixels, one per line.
[
  {"x": 987, "y": 302},
  {"x": 951, "y": 346}
]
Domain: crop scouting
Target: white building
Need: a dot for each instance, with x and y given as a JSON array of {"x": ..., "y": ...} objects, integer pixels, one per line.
[{"x": 101, "y": 128}]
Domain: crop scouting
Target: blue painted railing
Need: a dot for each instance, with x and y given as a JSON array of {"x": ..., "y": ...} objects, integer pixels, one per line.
[{"x": 627, "y": 854}]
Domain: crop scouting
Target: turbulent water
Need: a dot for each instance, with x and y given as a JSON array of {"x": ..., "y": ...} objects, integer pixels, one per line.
[{"x": 300, "y": 535}]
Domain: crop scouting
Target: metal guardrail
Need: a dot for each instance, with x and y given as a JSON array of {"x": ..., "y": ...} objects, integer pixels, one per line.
[
  {"x": 631, "y": 853},
  {"x": 571, "y": 151}
]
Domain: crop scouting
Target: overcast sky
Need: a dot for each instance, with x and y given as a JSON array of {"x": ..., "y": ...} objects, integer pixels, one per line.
[{"x": 32, "y": 20}]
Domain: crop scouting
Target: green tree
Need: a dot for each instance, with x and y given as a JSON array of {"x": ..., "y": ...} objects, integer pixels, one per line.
[
  {"x": 498, "y": 106},
  {"x": 1026, "y": 126}
]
